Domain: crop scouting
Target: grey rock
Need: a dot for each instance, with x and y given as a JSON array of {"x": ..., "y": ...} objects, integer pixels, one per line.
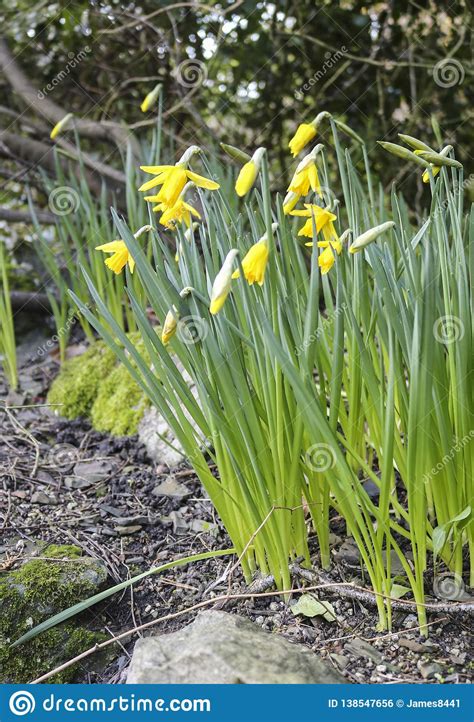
[
  {"x": 360, "y": 648},
  {"x": 221, "y": 648},
  {"x": 128, "y": 530},
  {"x": 171, "y": 487},
  {"x": 39, "y": 497},
  {"x": 429, "y": 669},
  {"x": 93, "y": 470}
]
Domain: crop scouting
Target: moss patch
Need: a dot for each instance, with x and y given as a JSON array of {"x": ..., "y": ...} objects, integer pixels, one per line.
[
  {"x": 98, "y": 386},
  {"x": 43, "y": 586}
]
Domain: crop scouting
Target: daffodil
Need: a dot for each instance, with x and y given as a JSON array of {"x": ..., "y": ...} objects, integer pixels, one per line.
[
  {"x": 290, "y": 201},
  {"x": 119, "y": 258},
  {"x": 435, "y": 169},
  {"x": 222, "y": 283},
  {"x": 181, "y": 212},
  {"x": 315, "y": 214},
  {"x": 173, "y": 178},
  {"x": 150, "y": 99},
  {"x": 248, "y": 173},
  {"x": 59, "y": 126},
  {"x": 306, "y": 175},
  {"x": 170, "y": 323},
  {"x": 255, "y": 261},
  {"x": 327, "y": 258},
  {"x": 304, "y": 134},
  {"x": 370, "y": 236}
]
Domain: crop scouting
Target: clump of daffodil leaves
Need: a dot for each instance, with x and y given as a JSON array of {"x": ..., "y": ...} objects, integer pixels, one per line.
[{"x": 299, "y": 407}]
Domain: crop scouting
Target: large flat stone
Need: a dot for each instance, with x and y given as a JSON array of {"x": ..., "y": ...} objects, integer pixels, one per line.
[{"x": 221, "y": 648}]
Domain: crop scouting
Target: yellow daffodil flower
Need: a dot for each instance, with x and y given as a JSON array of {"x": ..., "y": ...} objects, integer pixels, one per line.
[
  {"x": 59, "y": 126},
  {"x": 150, "y": 99},
  {"x": 180, "y": 212},
  {"x": 255, "y": 261},
  {"x": 248, "y": 173},
  {"x": 320, "y": 216},
  {"x": 306, "y": 175},
  {"x": 304, "y": 134},
  {"x": 222, "y": 283},
  {"x": 327, "y": 258},
  {"x": 254, "y": 264},
  {"x": 290, "y": 201},
  {"x": 119, "y": 258},
  {"x": 173, "y": 178},
  {"x": 120, "y": 253}
]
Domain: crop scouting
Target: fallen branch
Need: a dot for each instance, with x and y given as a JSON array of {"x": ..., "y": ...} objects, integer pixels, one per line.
[{"x": 25, "y": 217}]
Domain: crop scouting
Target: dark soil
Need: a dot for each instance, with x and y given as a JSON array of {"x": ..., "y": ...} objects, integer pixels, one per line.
[{"x": 121, "y": 521}]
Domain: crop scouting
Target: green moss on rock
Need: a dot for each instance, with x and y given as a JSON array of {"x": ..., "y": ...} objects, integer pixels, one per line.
[
  {"x": 78, "y": 382},
  {"x": 43, "y": 586},
  {"x": 98, "y": 386}
]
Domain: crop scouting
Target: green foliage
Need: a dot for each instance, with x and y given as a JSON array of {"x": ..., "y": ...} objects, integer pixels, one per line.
[{"x": 7, "y": 328}]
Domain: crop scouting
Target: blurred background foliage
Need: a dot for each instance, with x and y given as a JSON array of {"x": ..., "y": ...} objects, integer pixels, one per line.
[{"x": 260, "y": 67}]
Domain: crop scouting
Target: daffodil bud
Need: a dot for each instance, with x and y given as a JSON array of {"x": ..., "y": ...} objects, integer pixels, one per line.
[
  {"x": 249, "y": 172},
  {"x": 236, "y": 153},
  {"x": 290, "y": 201},
  {"x": 369, "y": 236},
  {"x": 309, "y": 158},
  {"x": 441, "y": 158},
  {"x": 151, "y": 98},
  {"x": 59, "y": 126},
  {"x": 222, "y": 283},
  {"x": 404, "y": 153},
  {"x": 170, "y": 324},
  {"x": 414, "y": 143}
]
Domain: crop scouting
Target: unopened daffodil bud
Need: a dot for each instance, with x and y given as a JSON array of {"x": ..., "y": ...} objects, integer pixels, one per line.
[
  {"x": 236, "y": 153},
  {"x": 249, "y": 172},
  {"x": 222, "y": 283},
  {"x": 305, "y": 133},
  {"x": 170, "y": 324},
  {"x": 255, "y": 261},
  {"x": 404, "y": 153},
  {"x": 369, "y": 236},
  {"x": 150, "y": 99},
  {"x": 414, "y": 143},
  {"x": 59, "y": 126}
]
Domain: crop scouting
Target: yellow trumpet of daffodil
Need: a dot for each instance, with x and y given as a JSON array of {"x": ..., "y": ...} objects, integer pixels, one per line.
[
  {"x": 249, "y": 172},
  {"x": 59, "y": 126},
  {"x": 120, "y": 253},
  {"x": 321, "y": 217},
  {"x": 173, "y": 178},
  {"x": 255, "y": 261},
  {"x": 327, "y": 258},
  {"x": 180, "y": 212},
  {"x": 150, "y": 99},
  {"x": 222, "y": 283}
]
